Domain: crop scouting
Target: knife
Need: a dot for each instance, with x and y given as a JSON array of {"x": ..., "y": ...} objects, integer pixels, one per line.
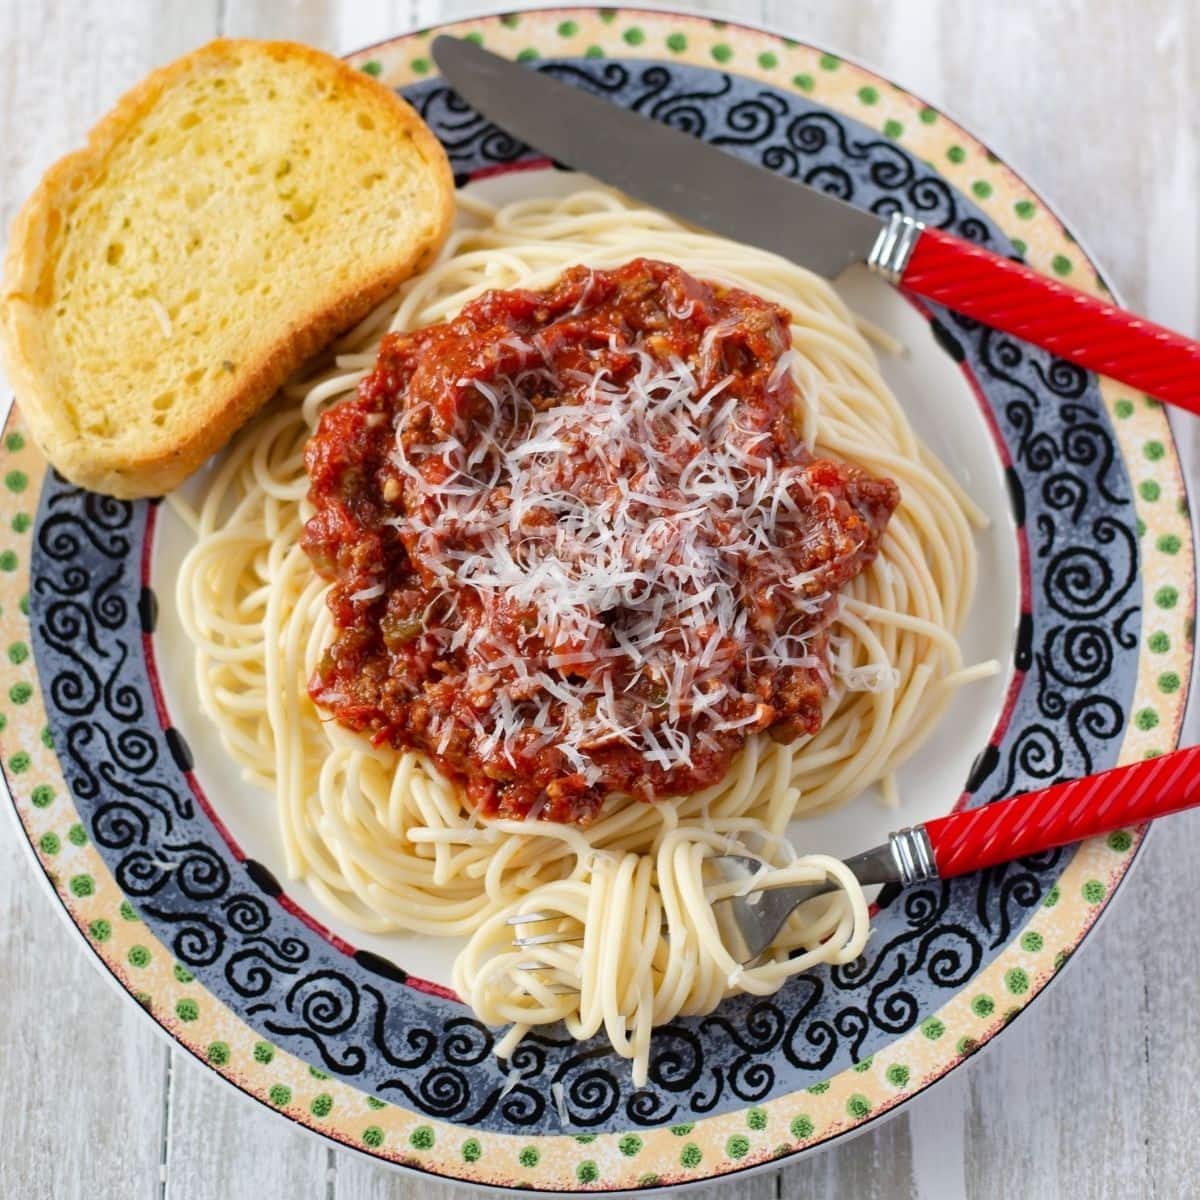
[{"x": 709, "y": 187}]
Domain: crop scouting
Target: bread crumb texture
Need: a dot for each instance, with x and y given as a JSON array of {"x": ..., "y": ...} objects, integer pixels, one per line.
[{"x": 234, "y": 212}]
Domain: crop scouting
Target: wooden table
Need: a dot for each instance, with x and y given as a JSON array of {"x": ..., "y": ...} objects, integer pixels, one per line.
[{"x": 1094, "y": 1092}]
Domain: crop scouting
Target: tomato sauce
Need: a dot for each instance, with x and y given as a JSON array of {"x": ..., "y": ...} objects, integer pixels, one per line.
[{"x": 576, "y": 545}]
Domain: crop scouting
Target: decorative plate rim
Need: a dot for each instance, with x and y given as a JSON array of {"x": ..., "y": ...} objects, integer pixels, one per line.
[{"x": 443, "y": 1165}]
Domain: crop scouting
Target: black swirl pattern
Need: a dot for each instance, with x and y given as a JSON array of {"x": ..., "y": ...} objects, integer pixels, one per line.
[{"x": 222, "y": 917}]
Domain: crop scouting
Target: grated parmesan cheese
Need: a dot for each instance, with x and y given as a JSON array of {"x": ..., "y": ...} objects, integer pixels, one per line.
[{"x": 677, "y": 498}]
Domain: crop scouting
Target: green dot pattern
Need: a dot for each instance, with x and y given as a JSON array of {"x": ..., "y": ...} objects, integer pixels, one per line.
[
  {"x": 932, "y": 1028},
  {"x": 100, "y": 929},
  {"x": 77, "y": 835},
  {"x": 263, "y": 1052},
  {"x": 182, "y": 973},
  {"x": 634, "y": 36},
  {"x": 676, "y": 43},
  {"x": 322, "y": 1105},
  {"x": 804, "y": 82},
  {"x": 218, "y": 1053},
  {"x": 722, "y": 53},
  {"x": 768, "y": 61},
  {"x": 756, "y": 1119},
  {"x": 868, "y": 95},
  {"x": 49, "y": 843},
  {"x": 897, "y": 1075},
  {"x": 82, "y": 885},
  {"x": 892, "y": 129},
  {"x": 42, "y": 796},
  {"x": 690, "y": 1155},
  {"x": 1032, "y": 941},
  {"x": 802, "y": 1127},
  {"x": 1123, "y": 408},
  {"x": 738, "y": 1146},
  {"x": 587, "y": 1171},
  {"x": 471, "y": 1150},
  {"x": 983, "y": 1006},
  {"x": 374, "y": 67},
  {"x": 375, "y": 1102},
  {"x": 421, "y": 1138},
  {"x": 187, "y": 1010},
  {"x": 830, "y": 62},
  {"x": 858, "y": 1106},
  {"x": 956, "y": 154},
  {"x": 682, "y": 1130},
  {"x": 1017, "y": 981},
  {"x": 1093, "y": 891},
  {"x": 280, "y": 1095},
  {"x": 629, "y": 1144},
  {"x": 372, "y": 1136},
  {"x": 1146, "y": 718}
]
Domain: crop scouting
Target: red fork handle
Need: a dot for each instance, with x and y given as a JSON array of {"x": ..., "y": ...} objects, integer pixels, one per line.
[
  {"x": 1067, "y": 812},
  {"x": 1012, "y": 298}
]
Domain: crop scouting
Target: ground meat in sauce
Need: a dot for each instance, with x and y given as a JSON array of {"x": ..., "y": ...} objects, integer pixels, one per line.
[{"x": 576, "y": 544}]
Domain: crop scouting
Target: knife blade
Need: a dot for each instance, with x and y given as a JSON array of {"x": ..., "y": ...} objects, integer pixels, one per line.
[
  {"x": 709, "y": 187},
  {"x": 660, "y": 165}
]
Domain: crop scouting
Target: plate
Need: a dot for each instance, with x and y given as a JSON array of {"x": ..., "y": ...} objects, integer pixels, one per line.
[{"x": 168, "y": 865}]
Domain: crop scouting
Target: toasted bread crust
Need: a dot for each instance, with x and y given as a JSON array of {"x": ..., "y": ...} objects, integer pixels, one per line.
[{"x": 34, "y": 241}]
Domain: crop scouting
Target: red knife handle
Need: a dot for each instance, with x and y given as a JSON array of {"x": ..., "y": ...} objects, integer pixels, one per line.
[
  {"x": 1010, "y": 297},
  {"x": 1067, "y": 812}
]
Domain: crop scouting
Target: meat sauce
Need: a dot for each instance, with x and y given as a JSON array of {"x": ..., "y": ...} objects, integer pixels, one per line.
[{"x": 576, "y": 545}]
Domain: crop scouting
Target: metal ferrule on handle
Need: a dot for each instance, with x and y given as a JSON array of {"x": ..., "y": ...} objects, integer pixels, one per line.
[
  {"x": 894, "y": 247},
  {"x": 913, "y": 855}
]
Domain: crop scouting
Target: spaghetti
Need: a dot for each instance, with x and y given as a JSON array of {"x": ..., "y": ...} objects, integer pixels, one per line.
[{"x": 389, "y": 844}]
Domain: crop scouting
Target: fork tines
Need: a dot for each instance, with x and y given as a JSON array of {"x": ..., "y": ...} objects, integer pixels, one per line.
[
  {"x": 531, "y": 918},
  {"x": 549, "y": 939}
]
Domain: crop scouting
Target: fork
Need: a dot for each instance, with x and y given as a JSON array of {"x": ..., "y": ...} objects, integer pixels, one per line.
[{"x": 966, "y": 841}]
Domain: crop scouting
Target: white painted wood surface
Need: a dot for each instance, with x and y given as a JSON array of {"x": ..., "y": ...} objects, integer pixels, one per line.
[{"x": 1095, "y": 1092}]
